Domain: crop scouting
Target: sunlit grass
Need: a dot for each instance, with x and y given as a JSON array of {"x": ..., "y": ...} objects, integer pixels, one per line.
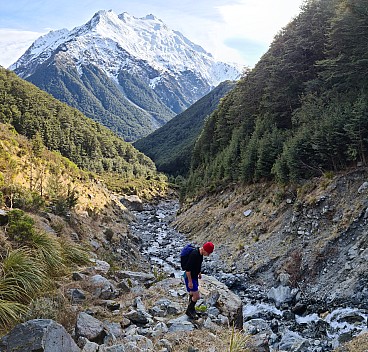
[
  {"x": 48, "y": 250},
  {"x": 73, "y": 253},
  {"x": 21, "y": 278},
  {"x": 238, "y": 341},
  {"x": 23, "y": 271},
  {"x": 10, "y": 312}
]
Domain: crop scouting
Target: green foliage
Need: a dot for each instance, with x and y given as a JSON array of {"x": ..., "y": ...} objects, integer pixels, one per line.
[
  {"x": 170, "y": 146},
  {"x": 301, "y": 112},
  {"x": 20, "y": 226},
  {"x": 58, "y": 127},
  {"x": 24, "y": 198},
  {"x": 99, "y": 98},
  {"x": 73, "y": 253},
  {"x": 62, "y": 202}
]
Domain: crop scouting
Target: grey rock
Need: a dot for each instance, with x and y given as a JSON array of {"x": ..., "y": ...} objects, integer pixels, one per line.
[
  {"x": 104, "y": 289},
  {"x": 100, "y": 266},
  {"x": 115, "y": 348},
  {"x": 77, "y": 295},
  {"x": 363, "y": 187},
  {"x": 160, "y": 329},
  {"x": 90, "y": 347},
  {"x": 142, "y": 342},
  {"x": 180, "y": 324},
  {"x": 90, "y": 328},
  {"x": 138, "y": 317},
  {"x": 228, "y": 302},
  {"x": 280, "y": 295},
  {"x": 143, "y": 278},
  {"x": 114, "y": 328},
  {"x": 39, "y": 335},
  {"x": 132, "y": 202}
]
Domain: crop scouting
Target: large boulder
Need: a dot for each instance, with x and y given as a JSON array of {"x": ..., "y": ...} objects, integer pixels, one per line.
[
  {"x": 214, "y": 294},
  {"x": 90, "y": 328},
  {"x": 132, "y": 202},
  {"x": 229, "y": 304},
  {"x": 38, "y": 335}
]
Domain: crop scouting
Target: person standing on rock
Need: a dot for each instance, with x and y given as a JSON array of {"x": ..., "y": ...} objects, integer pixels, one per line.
[{"x": 192, "y": 273}]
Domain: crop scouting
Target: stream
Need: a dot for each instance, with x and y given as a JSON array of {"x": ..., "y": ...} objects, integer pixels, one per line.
[{"x": 286, "y": 331}]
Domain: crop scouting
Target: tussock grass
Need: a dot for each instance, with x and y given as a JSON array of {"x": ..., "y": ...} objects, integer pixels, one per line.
[
  {"x": 73, "y": 253},
  {"x": 33, "y": 267},
  {"x": 10, "y": 312},
  {"x": 48, "y": 249},
  {"x": 23, "y": 274},
  {"x": 238, "y": 341},
  {"x": 21, "y": 278}
]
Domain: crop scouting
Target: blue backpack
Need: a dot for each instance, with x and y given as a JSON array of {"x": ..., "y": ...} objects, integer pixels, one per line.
[{"x": 184, "y": 254}]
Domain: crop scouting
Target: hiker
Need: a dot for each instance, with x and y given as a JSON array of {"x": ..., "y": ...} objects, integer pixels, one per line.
[{"x": 193, "y": 273}]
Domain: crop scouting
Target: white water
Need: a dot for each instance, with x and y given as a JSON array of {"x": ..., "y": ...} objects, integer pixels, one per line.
[{"x": 161, "y": 243}]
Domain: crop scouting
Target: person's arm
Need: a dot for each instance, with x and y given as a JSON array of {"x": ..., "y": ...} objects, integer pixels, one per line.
[{"x": 189, "y": 276}]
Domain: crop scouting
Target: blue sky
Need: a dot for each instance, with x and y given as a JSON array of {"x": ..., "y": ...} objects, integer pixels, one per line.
[{"x": 233, "y": 31}]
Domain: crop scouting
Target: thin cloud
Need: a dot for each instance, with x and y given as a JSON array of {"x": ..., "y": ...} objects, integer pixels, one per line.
[
  {"x": 14, "y": 43},
  {"x": 212, "y": 24}
]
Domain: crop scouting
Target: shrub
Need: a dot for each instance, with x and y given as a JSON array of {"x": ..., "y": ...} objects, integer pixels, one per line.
[
  {"x": 57, "y": 307},
  {"x": 20, "y": 225}
]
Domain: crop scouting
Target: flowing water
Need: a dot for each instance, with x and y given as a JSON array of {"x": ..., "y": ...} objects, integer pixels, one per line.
[{"x": 161, "y": 243}]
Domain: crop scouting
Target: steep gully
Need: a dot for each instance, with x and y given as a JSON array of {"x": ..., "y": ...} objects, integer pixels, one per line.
[{"x": 267, "y": 313}]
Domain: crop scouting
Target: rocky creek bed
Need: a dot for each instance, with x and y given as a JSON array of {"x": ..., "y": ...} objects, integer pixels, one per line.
[
  {"x": 280, "y": 315},
  {"x": 140, "y": 311}
]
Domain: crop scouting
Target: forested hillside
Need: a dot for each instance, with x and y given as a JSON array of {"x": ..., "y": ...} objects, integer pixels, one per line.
[
  {"x": 301, "y": 112},
  {"x": 171, "y": 146},
  {"x": 100, "y": 99},
  {"x": 38, "y": 116}
]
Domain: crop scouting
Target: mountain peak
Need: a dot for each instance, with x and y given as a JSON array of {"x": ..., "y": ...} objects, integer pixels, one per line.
[
  {"x": 151, "y": 17},
  {"x": 126, "y": 68},
  {"x": 147, "y": 39}
]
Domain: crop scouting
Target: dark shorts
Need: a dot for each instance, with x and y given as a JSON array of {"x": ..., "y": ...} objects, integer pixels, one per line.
[{"x": 195, "y": 284}]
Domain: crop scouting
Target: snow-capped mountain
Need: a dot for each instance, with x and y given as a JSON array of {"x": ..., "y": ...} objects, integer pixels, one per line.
[{"x": 131, "y": 74}]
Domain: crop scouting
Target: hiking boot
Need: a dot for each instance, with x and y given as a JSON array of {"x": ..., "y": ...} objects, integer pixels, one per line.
[{"x": 191, "y": 314}]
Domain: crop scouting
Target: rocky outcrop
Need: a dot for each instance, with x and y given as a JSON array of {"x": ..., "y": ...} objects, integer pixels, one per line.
[
  {"x": 42, "y": 335},
  {"x": 218, "y": 295},
  {"x": 132, "y": 202}
]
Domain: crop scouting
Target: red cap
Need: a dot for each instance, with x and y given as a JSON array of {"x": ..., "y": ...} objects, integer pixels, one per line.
[{"x": 208, "y": 247}]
